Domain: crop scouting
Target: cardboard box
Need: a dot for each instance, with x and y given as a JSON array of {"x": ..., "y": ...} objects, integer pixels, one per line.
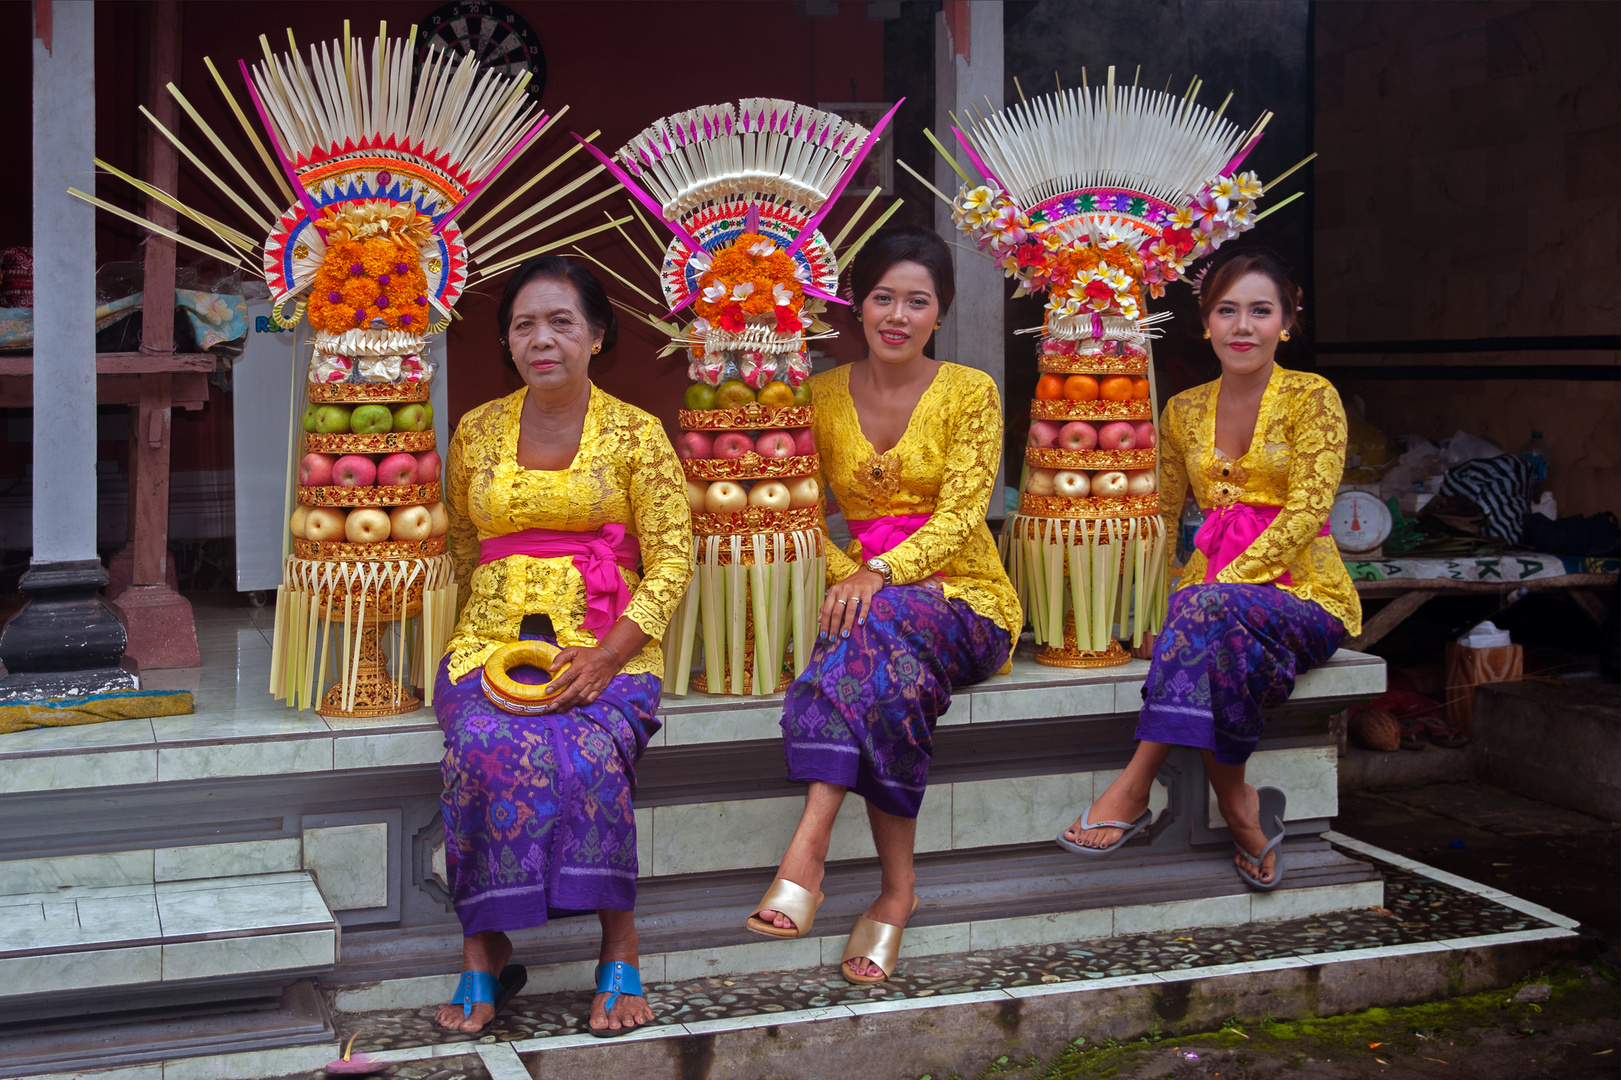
[{"x": 1468, "y": 668}]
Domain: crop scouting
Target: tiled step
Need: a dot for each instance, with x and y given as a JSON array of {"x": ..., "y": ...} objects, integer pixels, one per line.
[
  {"x": 65, "y": 949},
  {"x": 1028, "y": 895}
]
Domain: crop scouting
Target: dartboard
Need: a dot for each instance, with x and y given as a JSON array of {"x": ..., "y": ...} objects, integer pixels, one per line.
[{"x": 494, "y": 33}]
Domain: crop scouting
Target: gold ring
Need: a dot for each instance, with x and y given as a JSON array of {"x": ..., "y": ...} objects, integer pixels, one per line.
[{"x": 507, "y": 693}]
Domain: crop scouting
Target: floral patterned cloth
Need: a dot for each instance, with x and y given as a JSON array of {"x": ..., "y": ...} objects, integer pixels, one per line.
[
  {"x": 1295, "y": 462},
  {"x": 944, "y": 467},
  {"x": 1226, "y": 653},
  {"x": 862, "y": 714},
  {"x": 626, "y": 472},
  {"x": 537, "y": 809}
]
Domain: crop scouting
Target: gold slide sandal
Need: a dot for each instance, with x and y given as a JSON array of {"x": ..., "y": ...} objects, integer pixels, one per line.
[
  {"x": 878, "y": 942},
  {"x": 794, "y": 901}
]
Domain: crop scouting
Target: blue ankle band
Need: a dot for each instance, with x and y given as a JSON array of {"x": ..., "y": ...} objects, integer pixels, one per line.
[
  {"x": 476, "y": 987},
  {"x": 618, "y": 978}
]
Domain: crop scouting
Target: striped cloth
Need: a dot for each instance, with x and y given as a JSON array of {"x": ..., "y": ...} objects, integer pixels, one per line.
[{"x": 1498, "y": 486}]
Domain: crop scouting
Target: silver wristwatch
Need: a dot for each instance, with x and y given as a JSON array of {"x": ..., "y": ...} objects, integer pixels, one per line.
[{"x": 880, "y": 567}]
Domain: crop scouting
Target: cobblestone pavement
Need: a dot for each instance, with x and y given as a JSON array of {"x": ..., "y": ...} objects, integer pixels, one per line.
[{"x": 1419, "y": 909}]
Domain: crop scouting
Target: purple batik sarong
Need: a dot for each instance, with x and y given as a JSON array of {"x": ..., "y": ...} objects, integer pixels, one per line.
[
  {"x": 862, "y": 714},
  {"x": 1226, "y": 653},
  {"x": 537, "y": 809}
]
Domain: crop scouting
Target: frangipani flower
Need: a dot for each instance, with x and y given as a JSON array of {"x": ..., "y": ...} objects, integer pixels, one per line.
[
  {"x": 715, "y": 293},
  {"x": 763, "y": 249},
  {"x": 1247, "y": 186},
  {"x": 1223, "y": 190},
  {"x": 743, "y": 291},
  {"x": 1182, "y": 219},
  {"x": 782, "y": 294}
]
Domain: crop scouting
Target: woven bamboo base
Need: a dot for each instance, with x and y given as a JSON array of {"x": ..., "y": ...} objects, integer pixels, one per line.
[
  {"x": 1071, "y": 657},
  {"x": 376, "y": 694}
]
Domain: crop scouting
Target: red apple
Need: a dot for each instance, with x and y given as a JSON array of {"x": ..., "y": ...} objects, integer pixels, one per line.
[
  {"x": 300, "y": 518},
  {"x": 803, "y": 492},
  {"x": 1040, "y": 482},
  {"x": 1117, "y": 436},
  {"x": 365, "y": 525},
  {"x": 323, "y": 524},
  {"x": 440, "y": 517},
  {"x": 1071, "y": 484},
  {"x": 1043, "y": 433},
  {"x": 770, "y": 494},
  {"x": 1109, "y": 485},
  {"x": 397, "y": 470},
  {"x": 1143, "y": 432},
  {"x": 732, "y": 444},
  {"x": 316, "y": 470},
  {"x": 774, "y": 444},
  {"x": 354, "y": 470},
  {"x": 695, "y": 495},
  {"x": 725, "y": 497},
  {"x": 804, "y": 442},
  {"x": 1078, "y": 435},
  {"x": 429, "y": 467},
  {"x": 698, "y": 445},
  {"x": 1141, "y": 482},
  {"x": 410, "y": 523}
]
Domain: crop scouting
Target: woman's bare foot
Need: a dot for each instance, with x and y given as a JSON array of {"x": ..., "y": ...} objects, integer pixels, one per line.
[
  {"x": 489, "y": 952},
  {"x": 1244, "y": 820},
  {"x": 1119, "y": 803},
  {"x": 619, "y": 942},
  {"x": 802, "y": 865},
  {"x": 893, "y": 906}
]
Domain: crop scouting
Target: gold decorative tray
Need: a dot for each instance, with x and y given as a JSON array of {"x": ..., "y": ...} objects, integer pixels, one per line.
[
  {"x": 756, "y": 519},
  {"x": 377, "y": 495},
  {"x": 1054, "y": 364},
  {"x": 386, "y": 443},
  {"x": 386, "y": 551},
  {"x": 1057, "y": 506},
  {"x": 1063, "y": 409},
  {"x": 751, "y": 466},
  {"x": 1053, "y": 457},
  {"x": 751, "y": 417},
  {"x": 368, "y": 393}
]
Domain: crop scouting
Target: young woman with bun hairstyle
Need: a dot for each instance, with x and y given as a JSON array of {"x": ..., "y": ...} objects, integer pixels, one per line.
[
  {"x": 917, "y": 605},
  {"x": 1265, "y": 597}
]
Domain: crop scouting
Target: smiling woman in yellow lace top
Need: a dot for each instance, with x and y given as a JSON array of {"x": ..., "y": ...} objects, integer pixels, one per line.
[{"x": 1265, "y": 598}]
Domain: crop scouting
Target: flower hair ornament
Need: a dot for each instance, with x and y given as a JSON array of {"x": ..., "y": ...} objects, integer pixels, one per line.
[{"x": 371, "y": 164}]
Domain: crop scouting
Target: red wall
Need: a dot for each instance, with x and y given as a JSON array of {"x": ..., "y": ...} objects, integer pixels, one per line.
[{"x": 619, "y": 65}]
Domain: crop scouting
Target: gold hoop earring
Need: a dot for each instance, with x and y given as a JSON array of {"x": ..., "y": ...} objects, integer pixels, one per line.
[
  {"x": 1283, "y": 336},
  {"x": 1207, "y": 335}
]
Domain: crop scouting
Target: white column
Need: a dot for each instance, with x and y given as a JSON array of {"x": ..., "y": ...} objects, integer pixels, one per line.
[
  {"x": 969, "y": 70},
  {"x": 65, "y": 287}
]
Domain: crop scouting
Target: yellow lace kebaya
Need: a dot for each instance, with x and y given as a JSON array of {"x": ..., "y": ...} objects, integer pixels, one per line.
[
  {"x": 1295, "y": 462},
  {"x": 626, "y": 472},
  {"x": 944, "y": 466}
]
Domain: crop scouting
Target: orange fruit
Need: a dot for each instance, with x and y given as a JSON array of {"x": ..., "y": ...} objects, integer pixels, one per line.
[
  {"x": 1081, "y": 388},
  {"x": 1115, "y": 388},
  {"x": 1139, "y": 388},
  {"x": 1049, "y": 388}
]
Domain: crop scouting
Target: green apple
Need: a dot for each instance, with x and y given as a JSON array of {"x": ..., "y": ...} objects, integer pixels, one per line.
[
  {"x": 332, "y": 419},
  {"x": 309, "y": 417},
  {"x": 700, "y": 396},
  {"x": 412, "y": 417},
  {"x": 802, "y": 394},
  {"x": 429, "y": 422},
  {"x": 371, "y": 420}
]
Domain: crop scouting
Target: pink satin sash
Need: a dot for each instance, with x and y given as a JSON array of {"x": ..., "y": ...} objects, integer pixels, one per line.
[
  {"x": 878, "y": 535},
  {"x": 1228, "y": 532},
  {"x": 597, "y": 556}
]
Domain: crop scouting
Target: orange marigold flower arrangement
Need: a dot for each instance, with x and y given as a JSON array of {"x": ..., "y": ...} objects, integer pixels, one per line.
[
  {"x": 751, "y": 277},
  {"x": 372, "y": 270}
]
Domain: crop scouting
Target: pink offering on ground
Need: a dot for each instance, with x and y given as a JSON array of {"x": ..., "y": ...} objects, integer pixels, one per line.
[
  {"x": 804, "y": 442},
  {"x": 316, "y": 470},
  {"x": 1078, "y": 435},
  {"x": 1043, "y": 433},
  {"x": 355, "y": 470},
  {"x": 358, "y": 1065},
  {"x": 1143, "y": 432},
  {"x": 732, "y": 444},
  {"x": 1117, "y": 435},
  {"x": 397, "y": 470},
  {"x": 774, "y": 444},
  {"x": 429, "y": 466},
  {"x": 695, "y": 445}
]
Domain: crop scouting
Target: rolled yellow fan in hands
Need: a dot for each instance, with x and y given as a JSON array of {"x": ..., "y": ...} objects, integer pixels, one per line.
[{"x": 507, "y": 693}]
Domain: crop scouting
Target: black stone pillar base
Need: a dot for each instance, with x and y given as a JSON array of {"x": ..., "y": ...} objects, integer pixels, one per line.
[{"x": 66, "y": 641}]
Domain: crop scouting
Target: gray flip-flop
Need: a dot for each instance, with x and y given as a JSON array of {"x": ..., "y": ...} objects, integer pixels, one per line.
[
  {"x": 1273, "y": 804},
  {"x": 1132, "y": 828}
]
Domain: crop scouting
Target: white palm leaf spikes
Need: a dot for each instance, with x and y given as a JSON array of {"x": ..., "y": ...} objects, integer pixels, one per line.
[
  {"x": 760, "y": 148},
  {"x": 1109, "y": 136}
]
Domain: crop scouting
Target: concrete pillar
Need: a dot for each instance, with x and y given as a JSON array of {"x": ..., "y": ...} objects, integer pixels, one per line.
[
  {"x": 66, "y": 641},
  {"x": 968, "y": 68}
]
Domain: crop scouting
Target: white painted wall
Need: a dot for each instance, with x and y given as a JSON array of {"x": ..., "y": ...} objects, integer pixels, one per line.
[{"x": 64, "y": 117}]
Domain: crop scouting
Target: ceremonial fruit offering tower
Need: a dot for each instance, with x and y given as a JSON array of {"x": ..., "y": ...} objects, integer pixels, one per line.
[
  {"x": 376, "y": 159},
  {"x": 744, "y": 188},
  {"x": 1097, "y": 195}
]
